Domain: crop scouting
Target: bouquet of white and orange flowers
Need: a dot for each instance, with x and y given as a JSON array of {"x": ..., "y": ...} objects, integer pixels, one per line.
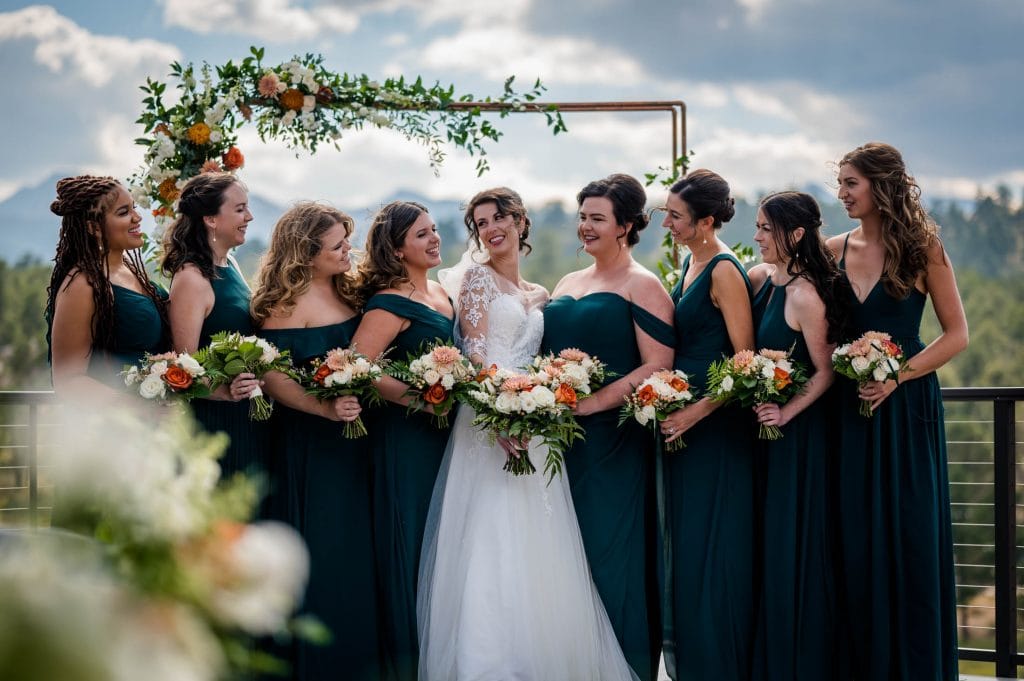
[
  {"x": 230, "y": 354},
  {"x": 438, "y": 376},
  {"x": 872, "y": 357},
  {"x": 757, "y": 378},
  {"x": 344, "y": 372},
  {"x": 654, "y": 399},
  {"x": 519, "y": 406},
  {"x": 571, "y": 374},
  {"x": 167, "y": 377}
]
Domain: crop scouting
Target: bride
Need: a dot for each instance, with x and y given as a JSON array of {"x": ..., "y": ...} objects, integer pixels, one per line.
[{"x": 505, "y": 590}]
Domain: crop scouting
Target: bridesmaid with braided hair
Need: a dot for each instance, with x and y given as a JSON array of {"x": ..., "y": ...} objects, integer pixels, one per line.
[
  {"x": 102, "y": 310},
  {"x": 209, "y": 295}
]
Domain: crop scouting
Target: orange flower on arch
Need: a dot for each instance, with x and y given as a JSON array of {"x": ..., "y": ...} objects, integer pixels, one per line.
[{"x": 292, "y": 99}]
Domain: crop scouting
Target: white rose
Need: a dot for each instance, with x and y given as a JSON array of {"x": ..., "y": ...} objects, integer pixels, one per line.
[
  {"x": 880, "y": 373},
  {"x": 648, "y": 414},
  {"x": 362, "y": 365},
  {"x": 785, "y": 365},
  {"x": 158, "y": 368},
  {"x": 894, "y": 366},
  {"x": 153, "y": 387},
  {"x": 543, "y": 396},
  {"x": 447, "y": 381},
  {"x": 842, "y": 351},
  {"x": 528, "y": 403},
  {"x": 768, "y": 370},
  {"x": 860, "y": 364},
  {"x": 726, "y": 385},
  {"x": 505, "y": 403},
  {"x": 131, "y": 376},
  {"x": 288, "y": 119},
  {"x": 431, "y": 376},
  {"x": 189, "y": 364}
]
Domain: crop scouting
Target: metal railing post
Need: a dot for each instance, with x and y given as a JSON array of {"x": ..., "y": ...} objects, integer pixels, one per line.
[
  {"x": 1004, "y": 459},
  {"x": 33, "y": 465}
]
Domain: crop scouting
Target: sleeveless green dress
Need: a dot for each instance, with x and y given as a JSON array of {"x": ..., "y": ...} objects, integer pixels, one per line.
[
  {"x": 138, "y": 329},
  {"x": 710, "y": 498},
  {"x": 407, "y": 453},
  {"x": 247, "y": 451},
  {"x": 794, "y": 635},
  {"x": 896, "y": 583},
  {"x": 321, "y": 485},
  {"x": 610, "y": 472}
]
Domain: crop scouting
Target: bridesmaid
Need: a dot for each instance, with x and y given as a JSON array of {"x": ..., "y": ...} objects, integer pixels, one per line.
[
  {"x": 304, "y": 303},
  {"x": 208, "y": 295},
  {"x": 898, "y": 599},
  {"x": 802, "y": 302},
  {"x": 404, "y": 310},
  {"x": 617, "y": 311},
  {"x": 102, "y": 310},
  {"x": 710, "y": 493}
]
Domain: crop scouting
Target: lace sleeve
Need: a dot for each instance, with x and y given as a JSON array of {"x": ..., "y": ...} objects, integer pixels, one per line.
[{"x": 475, "y": 295}]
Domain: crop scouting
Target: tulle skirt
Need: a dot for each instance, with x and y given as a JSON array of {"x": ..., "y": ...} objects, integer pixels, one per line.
[{"x": 505, "y": 590}]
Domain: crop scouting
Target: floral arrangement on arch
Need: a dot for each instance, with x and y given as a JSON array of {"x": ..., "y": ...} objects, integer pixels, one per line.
[{"x": 304, "y": 104}]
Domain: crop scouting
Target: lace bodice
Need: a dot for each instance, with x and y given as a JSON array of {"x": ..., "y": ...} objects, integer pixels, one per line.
[{"x": 498, "y": 321}]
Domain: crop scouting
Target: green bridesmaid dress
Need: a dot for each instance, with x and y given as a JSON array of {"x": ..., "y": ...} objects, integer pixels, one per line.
[
  {"x": 794, "y": 631},
  {"x": 138, "y": 329},
  {"x": 710, "y": 507},
  {"x": 610, "y": 472},
  {"x": 896, "y": 585},
  {"x": 323, "y": 490},
  {"x": 407, "y": 453},
  {"x": 247, "y": 450}
]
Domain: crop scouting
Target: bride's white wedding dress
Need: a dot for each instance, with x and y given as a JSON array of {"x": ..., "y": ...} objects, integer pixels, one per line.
[{"x": 505, "y": 590}]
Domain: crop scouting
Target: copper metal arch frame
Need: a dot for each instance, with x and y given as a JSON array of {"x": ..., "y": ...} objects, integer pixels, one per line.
[{"x": 676, "y": 108}]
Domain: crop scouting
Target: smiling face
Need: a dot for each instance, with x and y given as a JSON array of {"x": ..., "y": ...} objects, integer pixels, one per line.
[
  {"x": 421, "y": 248},
  {"x": 122, "y": 224},
  {"x": 498, "y": 232},
  {"x": 855, "y": 192},
  {"x": 333, "y": 257},
  {"x": 232, "y": 219},
  {"x": 764, "y": 237},
  {"x": 679, "y": 220},
  {"x": 598, "y": 229}
]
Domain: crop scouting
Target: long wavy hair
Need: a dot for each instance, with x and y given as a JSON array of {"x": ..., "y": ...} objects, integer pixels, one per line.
[
  {"x": 628, "y": 200},
  {"x": 907, "y": 229},
  {"x": 809, "y": 257},
  {"x": 381, "y": 267},
  {"x": 286, "y": 270},
  {"x": 187, "y": 240},
  {"x": 82, "y": 203},
  {"x": 509, "y": 203}
]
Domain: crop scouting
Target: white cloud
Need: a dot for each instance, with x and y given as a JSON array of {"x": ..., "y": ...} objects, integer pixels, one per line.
[
  {"x": 495, "y": 51},
  {"x": 270, "y": 20},
  {"x": 66, "y": 49}
]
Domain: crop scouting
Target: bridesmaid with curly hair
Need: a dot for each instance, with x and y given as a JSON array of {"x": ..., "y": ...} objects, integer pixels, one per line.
[
  {"x": 304, "y": 302},
  {"x": 403, "y": 311},
  {"x": 102, "y": 310},
  {"x": 896, "y": 584},
  {"x": 209, "y": 295}
]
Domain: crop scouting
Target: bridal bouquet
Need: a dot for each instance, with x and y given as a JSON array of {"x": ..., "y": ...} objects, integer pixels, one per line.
[
  {"x": 230, "y": 354},
  {"x": 343, "y": 372},
  {"x": 757, "y": 378},
  {"x": 438, "y": 377},
  {"x": 519, "y": 406},
  {"x": 872, "y": 357},
  {"x": 571, "y": 374},
  {"x": 661, "y": 394},
  {"x": 167, "y": 377}
]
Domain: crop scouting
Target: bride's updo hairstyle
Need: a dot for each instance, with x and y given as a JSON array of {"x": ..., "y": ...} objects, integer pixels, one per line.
[
  {"x": 509, "y": 203},
  {"x": 706, "y": 193},
  {"x": 628, "y": 202},
  {"x": 381, "y": 267}
]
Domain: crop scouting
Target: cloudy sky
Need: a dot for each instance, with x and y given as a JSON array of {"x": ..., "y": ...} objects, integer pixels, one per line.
[{"x": 776, "y": 90}]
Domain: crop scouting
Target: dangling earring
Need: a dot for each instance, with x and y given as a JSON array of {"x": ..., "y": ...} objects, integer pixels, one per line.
[
  {"x": 705, "y": 242},
  {"x": 214, "y": 235}
]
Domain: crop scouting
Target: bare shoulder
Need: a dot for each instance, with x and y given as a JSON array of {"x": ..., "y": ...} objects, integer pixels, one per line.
[
  {"x": 937, "y": 254},
  {"x": 805, "y": 297},
  {"x": 75, "y": 286},
  {"x": 758, "y": 274},
  {"x": 190, "y": 279},
  {"x": 566, "y": 283},
  {"x": 727, "y": 272},
  {"x": 836, "y": 243}
]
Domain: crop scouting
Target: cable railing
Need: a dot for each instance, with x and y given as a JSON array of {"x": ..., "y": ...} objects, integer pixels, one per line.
[{"x": 983, "y": 439}]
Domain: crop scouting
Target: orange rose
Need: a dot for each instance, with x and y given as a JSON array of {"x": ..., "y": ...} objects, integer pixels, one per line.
[
  {"x": 322, "y": 372},
  {"x": 646, "y": 395},
  {"x": 564, "y": 394},
  {"x": 891, "y": 348},
  {"x": 177, "y": 378},
  {"x": 782, "y": 378},
  {"x": 435, "y": 394},
  {"x": 233, "y": 159},
  {"x": 486, "y": 373},
  {"x": 678, "y": 384},
  {"x": 292, "y": 99}
]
